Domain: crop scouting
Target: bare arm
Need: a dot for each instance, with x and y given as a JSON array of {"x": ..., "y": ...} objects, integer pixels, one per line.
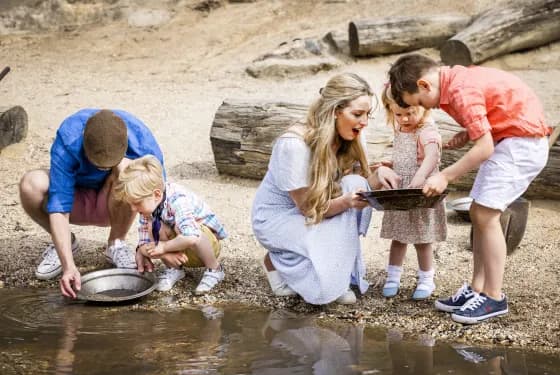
[
  {"x": 60, "y": 232},
  {"x": 481, "y": 151},
  {"x": 336, "y": 205},
  {"x": 430, "y": 161}
]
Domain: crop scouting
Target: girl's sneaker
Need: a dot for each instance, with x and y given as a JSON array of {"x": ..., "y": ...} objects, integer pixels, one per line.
[
  {"x": 425, "y": 286},
  {"x": 454, "y": 303},
  {"x": 209, "y": 280}
]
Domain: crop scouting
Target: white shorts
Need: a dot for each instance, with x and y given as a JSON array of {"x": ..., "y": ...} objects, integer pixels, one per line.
[{"x": 506, "y": 175}]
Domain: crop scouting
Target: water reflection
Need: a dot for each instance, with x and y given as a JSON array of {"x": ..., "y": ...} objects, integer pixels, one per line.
[{"x": 40, "y": 332}]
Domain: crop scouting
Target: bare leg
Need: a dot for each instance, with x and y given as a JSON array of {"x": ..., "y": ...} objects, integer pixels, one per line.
[
  {"x": 492, "y": 247},
  {"x": 206, "y": 253},
  {"x": 121, "y": 215},
  {"x": 33, "y": 193},
  {"x": 397, "y": 253},
  {"x": 425, "y": 256},
  {"x": 268, "y": 263}
]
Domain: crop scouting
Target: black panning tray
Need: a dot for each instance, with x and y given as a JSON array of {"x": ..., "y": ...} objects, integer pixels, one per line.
[{"x": 400, "y": 199}]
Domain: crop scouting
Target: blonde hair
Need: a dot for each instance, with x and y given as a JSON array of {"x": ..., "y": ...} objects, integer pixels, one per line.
[
  {"x": 388, "y": 101},
  {"x": 327, "y": 167},
  {"x": 139, "y": 179}
]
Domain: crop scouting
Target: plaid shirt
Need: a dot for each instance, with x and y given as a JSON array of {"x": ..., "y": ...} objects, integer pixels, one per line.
[{"x": 184, "y": 212}]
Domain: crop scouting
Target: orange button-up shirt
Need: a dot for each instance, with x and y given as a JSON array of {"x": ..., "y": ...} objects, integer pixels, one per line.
[{"x": 484, "y": 99}]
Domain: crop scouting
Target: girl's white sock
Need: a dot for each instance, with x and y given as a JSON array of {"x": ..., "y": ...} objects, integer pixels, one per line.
[
  {"x": 394, "y": 274},
  {"x": 426, "y": 280}
]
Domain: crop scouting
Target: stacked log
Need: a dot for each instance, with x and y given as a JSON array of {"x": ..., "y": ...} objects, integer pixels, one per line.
[
  {"x": 502, "y": 30},
  {"x": 389, "y": 35}
]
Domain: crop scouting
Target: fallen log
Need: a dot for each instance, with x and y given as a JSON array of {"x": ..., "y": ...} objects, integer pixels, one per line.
[
  {"x": 502, "y": 30},
  {"x": 13, "y": 125},
  {"x": 243, "y": 132},
  {"x": 390, "y": 35}
]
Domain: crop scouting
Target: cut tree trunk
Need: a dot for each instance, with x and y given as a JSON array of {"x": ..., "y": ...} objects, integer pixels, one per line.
[
  {"x": 503, "y": 30},
  {"x": 13, "y": 125},
  {"x": 243, "y": 133},
  {"x": 389, "y": 35}
]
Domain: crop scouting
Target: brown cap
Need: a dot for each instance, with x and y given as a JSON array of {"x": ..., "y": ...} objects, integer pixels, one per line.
[{"x": 105, "y": 139}]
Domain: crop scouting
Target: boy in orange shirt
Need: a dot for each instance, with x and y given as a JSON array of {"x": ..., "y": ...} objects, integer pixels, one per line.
[{"x": 505, "y": 120}]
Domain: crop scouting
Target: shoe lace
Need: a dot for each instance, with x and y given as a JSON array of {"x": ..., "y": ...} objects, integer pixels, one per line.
[
  {"x": 49, "y": 255},
  {"x": 474, "y": 303},
  {"x": 119, "y": 252},
  {"x": 463, "y": 291},
  {"x": 471, "y": 356}
]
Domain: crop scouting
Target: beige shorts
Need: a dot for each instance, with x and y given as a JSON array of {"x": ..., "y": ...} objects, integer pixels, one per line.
[{"x": 194, "y": 260}]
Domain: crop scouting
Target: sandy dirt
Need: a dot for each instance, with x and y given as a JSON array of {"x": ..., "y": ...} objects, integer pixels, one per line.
[{"x": 175, "y": 75}]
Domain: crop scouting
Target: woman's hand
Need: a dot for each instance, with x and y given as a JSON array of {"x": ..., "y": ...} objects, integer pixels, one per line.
[
  {"x": 459, "y": 140},
  {"x": 353, "y": 200},
  {"x": 388, "y": 178}
]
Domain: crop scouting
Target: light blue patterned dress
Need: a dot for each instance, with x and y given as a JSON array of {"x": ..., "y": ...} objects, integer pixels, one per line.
[{"x": 317, "y": 261}]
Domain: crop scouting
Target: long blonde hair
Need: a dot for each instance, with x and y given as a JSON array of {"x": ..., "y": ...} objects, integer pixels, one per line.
[
  {"x": 388, "y": 101},
  {"x": 327, "y": 166}
]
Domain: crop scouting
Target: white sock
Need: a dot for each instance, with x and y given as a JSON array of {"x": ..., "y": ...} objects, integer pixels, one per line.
[
  {"x": 426, "y": 280},
  {"x": 394, "y": 274}
]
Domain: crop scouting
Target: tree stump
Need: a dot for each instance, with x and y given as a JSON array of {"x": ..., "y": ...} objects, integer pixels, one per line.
[
  {"x": 502, "y": 30},
  {"x": 390, "y": 35},
  {"x": 13, "y": 125}
]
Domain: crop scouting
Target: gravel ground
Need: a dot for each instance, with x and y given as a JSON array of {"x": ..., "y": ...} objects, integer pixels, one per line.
[{"x": 174, "y": 77}]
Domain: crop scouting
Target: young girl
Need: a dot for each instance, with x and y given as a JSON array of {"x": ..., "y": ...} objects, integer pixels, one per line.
[
  {"x": 416, "y": 156},
  {"x": 175, "y": 225}
]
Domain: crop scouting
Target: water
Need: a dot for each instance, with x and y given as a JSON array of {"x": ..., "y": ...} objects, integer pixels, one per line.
[{"x": 40, "y": 333}]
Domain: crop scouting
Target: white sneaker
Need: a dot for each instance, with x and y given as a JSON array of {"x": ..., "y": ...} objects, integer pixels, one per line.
[
  {"x": 277, "y": 284},
  {"x": 50, "y": 265},
  {"x": 209, "y": 280},
  {"x": 120, "y": 255},
  {"x": 168, "y": 277},
  {"x": 347, "y": 298}
]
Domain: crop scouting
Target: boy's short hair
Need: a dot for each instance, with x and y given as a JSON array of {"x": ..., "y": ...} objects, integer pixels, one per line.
[
  {"x": 405, "y": 73},
  {"x": 139, "y": 179},
  {"x": 105, "y": 139}
]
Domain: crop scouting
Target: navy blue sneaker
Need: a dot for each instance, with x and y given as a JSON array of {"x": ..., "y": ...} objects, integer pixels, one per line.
[
  {"x": 480, "y": 308},
  {"x": 455, "y": 302}
]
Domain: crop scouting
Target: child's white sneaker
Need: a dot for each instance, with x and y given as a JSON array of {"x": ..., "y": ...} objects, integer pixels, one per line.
[
  {"x": 168, "y": 277},
  {"x": 209, "y": 280}
]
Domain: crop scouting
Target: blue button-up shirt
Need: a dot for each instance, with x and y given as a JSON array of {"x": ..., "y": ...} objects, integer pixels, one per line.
[{"x": 70, "y": 168}]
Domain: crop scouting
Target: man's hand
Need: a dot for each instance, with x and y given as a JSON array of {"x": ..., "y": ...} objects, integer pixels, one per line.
[
  {"x": 143, "y": 262},
  {"x": 70, "y": 277}
]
